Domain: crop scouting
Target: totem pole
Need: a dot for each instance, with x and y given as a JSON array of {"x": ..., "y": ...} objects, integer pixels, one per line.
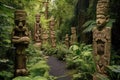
[
  {"x": 73, "y": 37},
  {"x": 46, "y": 8},
  {"x": 45, "y": 33},
  {"x": 20, "y": 40},
  {"x": 101, "y": 38},
  {"x": 52, "y": 33},
  {"x": 67, "y": 40},
  {"x": 37, "y": 31}
]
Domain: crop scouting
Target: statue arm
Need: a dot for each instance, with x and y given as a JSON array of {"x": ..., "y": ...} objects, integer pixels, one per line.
[
  {"x": 15, "y": 39},
  {"x": 108, "y": 36}
]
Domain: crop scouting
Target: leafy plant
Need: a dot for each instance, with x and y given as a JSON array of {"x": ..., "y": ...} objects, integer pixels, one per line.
[
  {"x": 82, "y": 76},
  {"x": 6, "y": 77},
  {"x": 4, "y": 36},
  {"x": 62, "y": 51},
  {"x": 48, "y": 50},
  {"x": 88, "y": 25},
  {"x": 101, "y": 77},
  {"x": 22, "y": 78},
  {"x": 81, "y": 59},
  {"x": 39, "y": 69},
  {"x": 114, "y": 72}
]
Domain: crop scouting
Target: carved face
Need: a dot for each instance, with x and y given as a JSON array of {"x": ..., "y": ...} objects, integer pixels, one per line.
[
  {"x": 73, "y": 30},
  {"x": 101, "y": 20},
  {"x": 20, "y": 23},
  {"x": 37, "y": 19},
  {"x": 20, "y": 18}
]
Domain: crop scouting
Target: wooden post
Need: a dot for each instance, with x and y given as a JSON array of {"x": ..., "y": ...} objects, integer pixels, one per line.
[
  {"x": 37, "y": 31},
  {"x": 101, "y": 38},
  {"x": 20, "y": 40}
]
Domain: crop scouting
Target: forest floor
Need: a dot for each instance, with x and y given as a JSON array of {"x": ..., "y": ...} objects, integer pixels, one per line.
[{"x": 58, "y": 69}]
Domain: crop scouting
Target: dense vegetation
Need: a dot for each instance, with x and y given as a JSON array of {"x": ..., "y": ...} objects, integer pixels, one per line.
[{"x": 78, "y": 13}]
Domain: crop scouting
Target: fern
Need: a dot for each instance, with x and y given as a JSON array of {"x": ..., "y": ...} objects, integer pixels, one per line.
[
  {"x": 114, "y": 72},
  {"x": 102, "y": 77},
  {"x": 39, "y": 78},
  {"x": 39, "y": 68},
  {"x": 88, "y": 26},
  {"x": 22, "y": 78}
]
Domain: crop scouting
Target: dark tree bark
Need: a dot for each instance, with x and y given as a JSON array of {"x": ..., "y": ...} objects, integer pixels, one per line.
[{"x": 85, "y": 10}]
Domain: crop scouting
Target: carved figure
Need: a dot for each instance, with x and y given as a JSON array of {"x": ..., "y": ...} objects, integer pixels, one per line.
[
  {"x": 37, "y": 31},
  {"x": 45, "y": 37},
  {"x": 20, "y": 40},
  {"x": 102, "y": 37},
  {"x": 67, "y": 40},
  {"x": 52, "y": 32},
  {"x": 53, "y": 38},
  {"x": 73, "y": 37}
]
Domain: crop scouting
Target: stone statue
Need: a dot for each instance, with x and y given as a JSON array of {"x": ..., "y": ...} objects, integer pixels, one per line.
[
  {"x": 67, "y": 40},
  {"x": 73, "y": 37},
  {"x": 102, "y": 37},
  {"x": 53, "y": 38},
  {"x": 37, "y": 31},
  {"x": 45, "y": 37},
  {"x": 20, "y": 40},
  {"x": 52, "y": 32}
]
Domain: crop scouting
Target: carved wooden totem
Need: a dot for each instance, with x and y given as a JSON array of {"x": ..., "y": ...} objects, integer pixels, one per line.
[
  {"x": 45, "y": 4},
  {"x": 20, "y": 40},
  {"x": 73, "y": 37},
  {"x": 101, "y": 38},
  {"x": 37, "y": 31},
  {"x": 45, "y": 37},
  {"x": 67, "y": 40},
  {"x": 52, "y": 33}
]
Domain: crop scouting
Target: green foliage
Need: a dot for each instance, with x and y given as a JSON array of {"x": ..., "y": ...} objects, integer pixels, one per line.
[
  {"x": 33, "y": 51},
  {"x": 63, "y": 15},
  {"x": 62, "y": 51},
  {"x": 37, "y": 65},
  {"x": 28, "y": 78},
  {"x": 81, "y": 58},
  {"x": 114, "y": 58},
  {"x": 4, "y": 40},
  {"x": 114, "y": 72},
  {"x": 6, "y": 77},
  {"x": 39, "y": 69},
  {"x": 88, "y": 26},
  {"x": 82, "y": 76},
  {"x": 101, "y": 77},
  {"x": 110, "y": 23},
  {"x": 6, "y": 69},
  {"x": 22, "y": 78},
  {"x": 48, "y": 50},
  {"x": 39, "y": 78},
  {"x": 91, "y": 10},
  {"x": 5, "y": 28}
]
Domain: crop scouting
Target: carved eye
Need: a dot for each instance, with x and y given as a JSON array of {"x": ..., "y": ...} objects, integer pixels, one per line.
[
  {"x": 17, "y": 22},
  {"x": 23, "y": 21}
]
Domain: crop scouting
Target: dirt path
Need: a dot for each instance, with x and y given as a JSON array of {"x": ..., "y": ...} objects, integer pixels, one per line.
[{"x": 58, "y": 69}]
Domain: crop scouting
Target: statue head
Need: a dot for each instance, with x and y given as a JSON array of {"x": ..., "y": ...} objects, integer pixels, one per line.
[
  {"x": 102, "y": 16},
  {"x": 66, "y": 35},
  {"x": 20, "y": 18},
  {"x": 37, "y": 16},
  {"x": 73, "y": 30},
  {"x": 52, "y": 21}
]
